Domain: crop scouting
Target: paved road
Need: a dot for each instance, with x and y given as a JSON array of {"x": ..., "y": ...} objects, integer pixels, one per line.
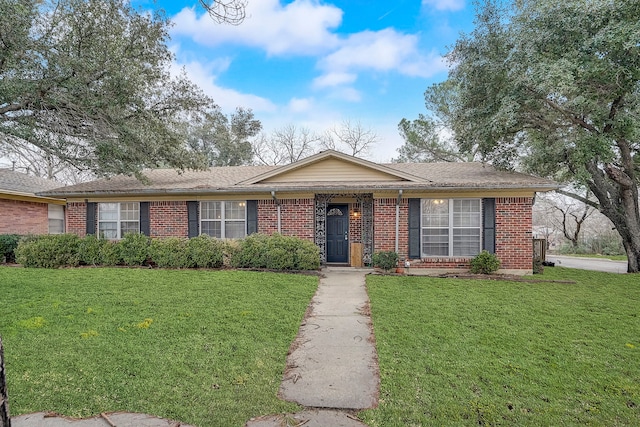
[{"x": 595, "y": 264}]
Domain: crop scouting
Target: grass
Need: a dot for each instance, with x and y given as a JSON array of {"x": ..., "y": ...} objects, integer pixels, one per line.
[
  {"x": 202, "y": 347},
  {"x": 479, "y": 352}
]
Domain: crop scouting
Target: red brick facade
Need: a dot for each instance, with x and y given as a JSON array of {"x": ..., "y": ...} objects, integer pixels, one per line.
[
  {"x": 513, "y": 226},
  {"x": 297, "y": 217},
  {"x": 20, "y": 217},
  {"x": 168, "y": 219},
  {"x": 514, "y": 244},
  {"x": 384, "y": 226},
  {"x": 77, "y": 218}
]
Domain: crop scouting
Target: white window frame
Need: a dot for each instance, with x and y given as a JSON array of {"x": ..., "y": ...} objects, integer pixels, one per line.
[
  {"x": 119, "y": 221},
  {"x": 451, "y": 227},
  {"x": 222, "y": 220}
]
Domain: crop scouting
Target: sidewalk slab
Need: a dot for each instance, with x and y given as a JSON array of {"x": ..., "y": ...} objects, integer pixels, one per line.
[{"x": 333, "y": 362}]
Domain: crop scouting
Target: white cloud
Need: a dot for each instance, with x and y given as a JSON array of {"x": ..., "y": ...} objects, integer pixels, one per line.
[
  {"x": 204, "y": 75},
  {"x": 384, "y": 50},
  {"x": 300, "y": 27},
  {"x": 300, "y": 105},
  {"x": 334, "y": 79},
  {"x": 444, "y": 4}
]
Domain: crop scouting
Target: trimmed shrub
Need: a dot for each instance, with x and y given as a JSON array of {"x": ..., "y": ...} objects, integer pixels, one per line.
[
  {"x": 385, "y": 260},
  {"x": 134, "y": 249},
  {"x": 110, "y": 253},
  {"x": 171, "y": 252},
  {"x": 8, "y": 244},
  {"x": 485, "y": 263},
  {"x": 49, "y": 251},
  {"x": 91, "y": 248},
  {"x": 206, "y": 252},
  {"x": 307, "y": 256},
  {"x": 276, "y": 252}
]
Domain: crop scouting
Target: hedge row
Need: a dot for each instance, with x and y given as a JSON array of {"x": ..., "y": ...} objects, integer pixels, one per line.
[{"x": 275, "y": 252}]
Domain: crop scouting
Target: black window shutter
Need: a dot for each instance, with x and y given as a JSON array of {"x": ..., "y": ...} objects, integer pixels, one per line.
[
  {"x": 192, "y": 218},
  {"x": 145, "y": 222},
  {"x": 91, "y": 217},
  {"x": 414, "y": 228},
  {"x": 252, "y": 216},
  {"x": 489, "y": 225}
]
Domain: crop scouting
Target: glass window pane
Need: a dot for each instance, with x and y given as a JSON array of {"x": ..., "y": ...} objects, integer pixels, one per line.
[
  {"x": 56, "y": 212},
  {"x": 56, "y": 226},
  {"x": 210, "y": 210},
  {"x": 212, "y": 228},
  {"x": 435, "y": 242},
  {"x": 466, "y": 241},
  {"x": 107, "y": 211},
  {"x": 129, "y": 227},
  {"x": 129, "y": 212},
  {"x": 234, "y": 230},
  {"x": 234, "y": 210},
  {"x": 467, "y": 213},
  {"x": 108, "y": 230},
  {"x": 435, "y": 213}
]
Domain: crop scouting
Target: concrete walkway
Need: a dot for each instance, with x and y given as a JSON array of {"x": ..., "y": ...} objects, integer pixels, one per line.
[{"x": 333, "y": 361}]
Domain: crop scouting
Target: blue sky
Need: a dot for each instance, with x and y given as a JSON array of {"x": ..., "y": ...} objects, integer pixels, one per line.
[{"x": 315, "y": 64}]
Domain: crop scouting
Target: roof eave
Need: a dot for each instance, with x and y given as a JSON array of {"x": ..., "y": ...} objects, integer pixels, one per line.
[{"x": 289, "y": 189}]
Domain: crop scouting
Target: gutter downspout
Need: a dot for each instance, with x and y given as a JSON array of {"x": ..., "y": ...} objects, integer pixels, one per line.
[
  {"x": 275, "y": 199},
  {"x": 398, "y": 217}
]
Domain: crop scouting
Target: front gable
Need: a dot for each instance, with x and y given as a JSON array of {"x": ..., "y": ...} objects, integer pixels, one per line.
[{"x": 332, "y": 166}]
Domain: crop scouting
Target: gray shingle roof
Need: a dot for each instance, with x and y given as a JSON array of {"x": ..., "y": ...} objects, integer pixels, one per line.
[
  {"x": 231, "y": 179},
  {"x": 23, "y": 183}
]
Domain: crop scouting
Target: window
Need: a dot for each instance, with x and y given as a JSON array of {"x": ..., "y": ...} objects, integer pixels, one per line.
[
  {"x": 451, "y": 227},
  {"x": 224, "y": 220},
  {"x": 117, "y": 219},
  {"x": 56, "y": 219}
]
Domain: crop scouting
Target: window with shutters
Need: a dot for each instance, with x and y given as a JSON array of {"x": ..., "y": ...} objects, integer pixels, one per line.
[
  {"x": 451, "y": 227},
  {"x": 117, "y": 219},
  {"x": 223, "y": 219}
]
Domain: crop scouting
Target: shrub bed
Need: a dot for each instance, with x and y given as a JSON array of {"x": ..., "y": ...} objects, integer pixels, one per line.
[
  {"x": 275, "y": 252},
  {"x": 8, "y": 244}
]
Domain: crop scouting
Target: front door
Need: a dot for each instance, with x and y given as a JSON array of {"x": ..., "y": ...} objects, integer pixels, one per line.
[{"x": 338, "y": 233}]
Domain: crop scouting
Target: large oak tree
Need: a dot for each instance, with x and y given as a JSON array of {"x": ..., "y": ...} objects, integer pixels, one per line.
[
  {"x": 554, "y": 87},
  {"x": 88, "y": 81}
]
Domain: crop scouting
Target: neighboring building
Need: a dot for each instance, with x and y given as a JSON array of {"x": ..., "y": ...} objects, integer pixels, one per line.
[
  {"x": 24, "y": 212},
  {"x": 438, "y": 215}
]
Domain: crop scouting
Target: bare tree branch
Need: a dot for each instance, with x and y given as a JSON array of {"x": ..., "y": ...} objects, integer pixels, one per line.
[{"x": 231, "y": 12}]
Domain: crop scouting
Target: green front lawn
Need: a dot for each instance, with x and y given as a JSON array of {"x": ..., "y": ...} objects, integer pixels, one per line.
[
  {"x": 479, "y": 352},
  {"x": 203, "y": 347}
]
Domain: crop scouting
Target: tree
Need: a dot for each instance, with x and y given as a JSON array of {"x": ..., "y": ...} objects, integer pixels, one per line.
[
  {"x": 228, "y": 11},
  {"x": 88, "y": 82},
  {"x": 424, "y": 142},
  {"x": 567, "y": 215},
  {"x": 225, "y": 140},
  {"x": 554, "y": 87},
  {"x": 285, "y": 145},
  {"x": 350, "y": 138}
]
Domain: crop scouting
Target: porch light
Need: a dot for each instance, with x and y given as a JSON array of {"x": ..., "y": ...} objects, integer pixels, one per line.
[{"x": 356, "y": 213}]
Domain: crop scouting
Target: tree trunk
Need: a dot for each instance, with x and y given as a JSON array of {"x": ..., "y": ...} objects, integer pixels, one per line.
[
  {"x": 624, "y": 215},
  {"x": 5, "y": 420}
]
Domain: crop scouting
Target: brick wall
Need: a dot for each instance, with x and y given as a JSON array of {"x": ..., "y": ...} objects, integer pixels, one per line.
[
  {"x": 384, "y": 226},
  {"x": 18, "y": 217},
  {"x": 297, "y": 217},
  {"x": 77, "y": 218},
  {"x": 168, "y": 219},
  {"x": 514, "y": 246},
  {"x": 355, "y": 223}
]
